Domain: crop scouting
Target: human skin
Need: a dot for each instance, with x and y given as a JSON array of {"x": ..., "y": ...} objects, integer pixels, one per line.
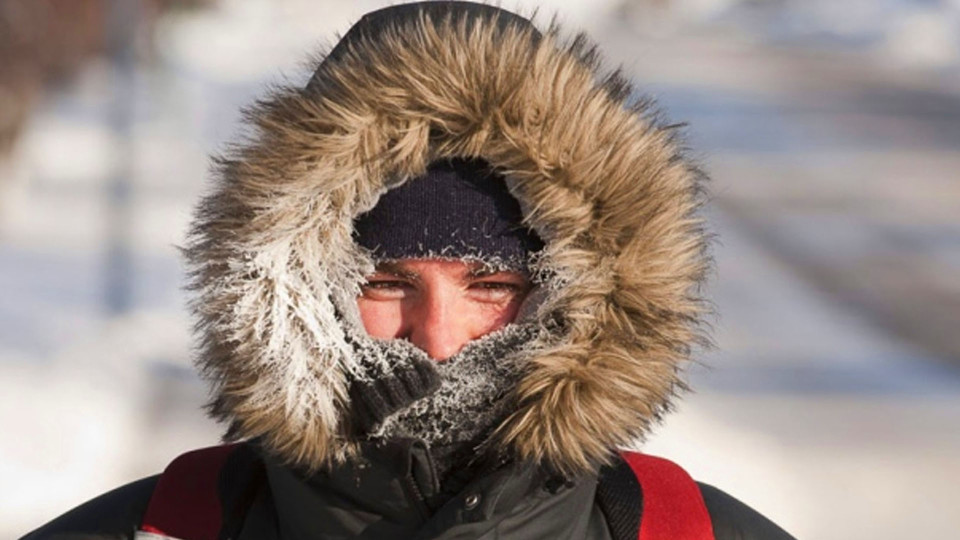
[{"x": 439, "y": 305}]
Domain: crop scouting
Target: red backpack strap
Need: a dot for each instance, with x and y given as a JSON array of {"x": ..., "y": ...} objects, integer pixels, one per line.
[
  {"x": 673, "y": 507},
  {"x": 185, "y": 504}
]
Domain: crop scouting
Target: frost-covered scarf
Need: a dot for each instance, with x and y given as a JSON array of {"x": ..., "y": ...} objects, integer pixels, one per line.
[{"x": 474, "y": 395}]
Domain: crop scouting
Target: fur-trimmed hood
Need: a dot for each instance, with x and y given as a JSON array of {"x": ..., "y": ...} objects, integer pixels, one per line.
[{"x": 599, "y": 178}]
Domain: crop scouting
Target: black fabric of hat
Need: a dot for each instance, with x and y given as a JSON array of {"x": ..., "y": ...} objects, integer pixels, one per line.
[{"x": 460, "y": 208}]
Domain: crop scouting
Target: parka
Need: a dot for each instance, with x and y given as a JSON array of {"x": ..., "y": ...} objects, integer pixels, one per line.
[
  {"x": 395, "y": 495},
  {"x": 276, "y": 272}
]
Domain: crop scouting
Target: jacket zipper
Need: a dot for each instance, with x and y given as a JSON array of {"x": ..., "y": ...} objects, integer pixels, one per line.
[{"x": 420, "y": 500}]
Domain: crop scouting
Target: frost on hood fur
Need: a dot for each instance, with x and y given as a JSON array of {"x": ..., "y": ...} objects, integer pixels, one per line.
[{"x": 600, "y": 179}]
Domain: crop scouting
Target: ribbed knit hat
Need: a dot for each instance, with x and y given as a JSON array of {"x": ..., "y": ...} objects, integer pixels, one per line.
[{"x": 460, "y": 208}]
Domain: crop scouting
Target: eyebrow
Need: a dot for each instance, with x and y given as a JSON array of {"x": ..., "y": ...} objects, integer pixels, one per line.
[
  {"x": 482, "y": 270},
  {"x": 394, "y": 269}
]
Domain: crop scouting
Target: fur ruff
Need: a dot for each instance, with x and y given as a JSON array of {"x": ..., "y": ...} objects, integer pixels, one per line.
[{"x": 600, "y": 179}]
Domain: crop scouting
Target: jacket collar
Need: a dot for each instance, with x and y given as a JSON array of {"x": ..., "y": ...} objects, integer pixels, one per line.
[{"x": 392, "y": 491}]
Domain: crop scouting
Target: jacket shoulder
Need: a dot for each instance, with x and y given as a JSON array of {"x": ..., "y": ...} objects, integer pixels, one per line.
[
  {"x": 115, "y": 515},
  {"x": 734, "y": 520},
  {"x": 621, "y": 499}
]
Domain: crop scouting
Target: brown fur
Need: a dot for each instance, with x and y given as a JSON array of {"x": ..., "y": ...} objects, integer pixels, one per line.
[{"x": 599, "y": 179}]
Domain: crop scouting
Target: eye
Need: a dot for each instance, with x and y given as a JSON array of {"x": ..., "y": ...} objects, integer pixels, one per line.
[
  {"x": 386, "y": 289},
  {"x": 496, "y": 290}
]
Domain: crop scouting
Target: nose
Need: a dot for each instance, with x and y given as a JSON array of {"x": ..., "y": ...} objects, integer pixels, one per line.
[{"x": 439, "y": 328}]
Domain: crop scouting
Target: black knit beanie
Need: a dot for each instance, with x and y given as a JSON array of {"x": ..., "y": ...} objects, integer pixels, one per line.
[{"x": 460, "y": 208}]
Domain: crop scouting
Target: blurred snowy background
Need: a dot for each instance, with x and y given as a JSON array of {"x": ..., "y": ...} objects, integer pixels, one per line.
[{"x": 832, "y": 131}]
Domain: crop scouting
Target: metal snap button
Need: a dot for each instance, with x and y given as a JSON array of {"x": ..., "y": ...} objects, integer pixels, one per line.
[{"x": 471, "y": 501}]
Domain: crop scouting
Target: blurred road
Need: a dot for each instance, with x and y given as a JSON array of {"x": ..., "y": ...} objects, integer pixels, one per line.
[{"x": 832, "y": 402}]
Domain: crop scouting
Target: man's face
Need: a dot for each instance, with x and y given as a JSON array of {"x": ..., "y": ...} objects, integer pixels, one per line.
[{"x": 439, "y": 305}]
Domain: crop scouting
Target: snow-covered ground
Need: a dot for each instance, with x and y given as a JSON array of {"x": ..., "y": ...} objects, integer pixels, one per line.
[{"x": 810, "y": 411}]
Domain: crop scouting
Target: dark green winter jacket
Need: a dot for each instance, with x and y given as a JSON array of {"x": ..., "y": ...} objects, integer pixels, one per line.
[{"x": 395, "y": 495}]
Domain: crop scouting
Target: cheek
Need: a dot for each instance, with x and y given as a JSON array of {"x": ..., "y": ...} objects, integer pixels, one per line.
[
  {"x": 490, "y": 317},
  {"x": 383, "y": 320}
]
